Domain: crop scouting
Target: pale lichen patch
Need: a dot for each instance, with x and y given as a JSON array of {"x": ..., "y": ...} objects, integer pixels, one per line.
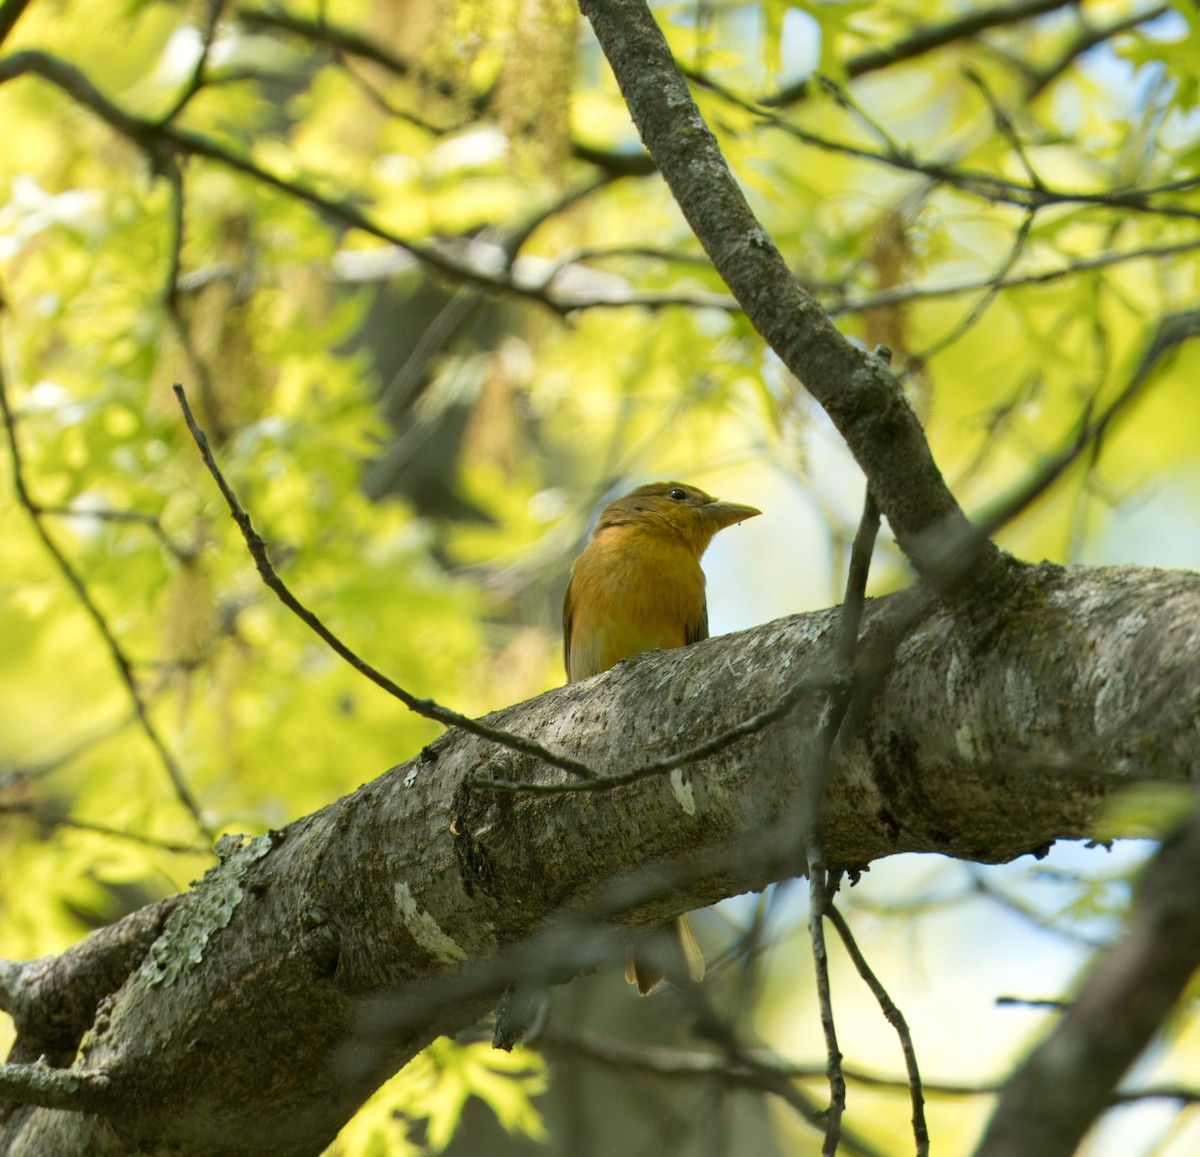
[
  {"x": 964, "y": 740},
  {"x": 1020, "y": 696},
  {"x": 424, "y": 929},
  {"x": 684, "y": 794},
  {"x": 1110, "y": 709},
  {"x": 954, "y": 678},
  {"x": 208, "y": 908}
]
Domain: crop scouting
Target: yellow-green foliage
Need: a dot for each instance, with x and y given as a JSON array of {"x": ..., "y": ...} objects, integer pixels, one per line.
[{"x": 534, "y": 417}]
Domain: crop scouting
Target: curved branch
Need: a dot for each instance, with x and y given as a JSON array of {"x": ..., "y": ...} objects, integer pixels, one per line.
[
  {"x": 161, "y": 142},
  {"x": 857, "y": 391},
  {"x": 183, "y": 791},
  {"x": 425, "y": 707},
  {"x": 926, "y": 39}
]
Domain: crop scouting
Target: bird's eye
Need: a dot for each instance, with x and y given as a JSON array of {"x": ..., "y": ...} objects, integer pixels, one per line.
[{"x": 677, "y": 494}]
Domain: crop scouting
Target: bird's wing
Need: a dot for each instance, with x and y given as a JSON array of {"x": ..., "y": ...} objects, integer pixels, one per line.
[
  {"x": 696, "y": 630},
  {"x": 568, "y": 622}
]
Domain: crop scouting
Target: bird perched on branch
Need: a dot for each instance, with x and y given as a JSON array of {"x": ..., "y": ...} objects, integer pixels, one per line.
[{"x": 638, "y": 586}]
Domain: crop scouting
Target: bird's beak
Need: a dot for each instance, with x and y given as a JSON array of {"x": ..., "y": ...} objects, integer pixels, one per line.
[{"x": 723, "y": 514}]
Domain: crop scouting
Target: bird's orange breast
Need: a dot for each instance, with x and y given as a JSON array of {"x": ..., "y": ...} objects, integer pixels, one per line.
[{"x": 631, "y": 590}]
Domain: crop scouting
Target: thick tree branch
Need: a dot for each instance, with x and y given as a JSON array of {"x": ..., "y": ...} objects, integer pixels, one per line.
[{"x": 1003, "y": 726}]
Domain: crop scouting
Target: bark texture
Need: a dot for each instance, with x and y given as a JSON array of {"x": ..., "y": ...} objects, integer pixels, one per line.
[{"x": 313, "y": 962}]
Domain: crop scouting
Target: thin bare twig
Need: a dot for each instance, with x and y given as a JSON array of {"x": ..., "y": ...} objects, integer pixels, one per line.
[
  {"x": 819, "y": 889},
  {"x": 904, "y": 294},
  {"x": 975, "y": 182},
  {"x": 341, "y": 39},
  {"x": 120, "y": 661},
  {"x": 46, "y": 764},
  {"x": 151, "y": 521},
  {"x": 10, "y": 12},
  {"x": 1172, "y": 331},
  {"x": 1041, "y": 1002},
  {"x": 896, "y": 1019},
  {"x": 992, "y": 291},
  {"x": 52, "y": 819},
  {"x": 158, "y": 141},
  {"x": 927, "y": 38},
  {"x": 424, "y": 707},
  {"x": 687, "y": 1064},
  {"x": 1038, "y": 80},
  {"x": 786, "y": 703},
  {"x": 1006, "y": 128},
  {"x": 195, "y": 82}
]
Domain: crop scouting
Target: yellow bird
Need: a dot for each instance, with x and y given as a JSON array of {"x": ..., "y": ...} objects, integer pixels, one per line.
[{"x": 638, "y": 586}]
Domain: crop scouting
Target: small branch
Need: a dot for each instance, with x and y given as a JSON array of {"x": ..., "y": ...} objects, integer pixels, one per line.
[
  {"x": 978, "y": 183},
  {"x": 896, "y": 1019},
  {"x": 151, "y": 521},
  {"x": 690, "y": 1064},
  {"x": 36, "y": 768},
  {"x": 992, "y": 291},
  {"x": 1173, "y": 331},
  {"x": 759, "y": 1070},
  {"x": 818, "y": 876},
  {"x": 862, "y": 398},
  {"x": 905, "y": 294},
  {"x": 124, "y": 668},
  {"x": 1033, "y": 1002},
  {"x": 341, "y": 39},
  {"x": 779, "y": 710},
  {"x": 926, "y": 39},
  {"x": 1006, "y": 128},
  {"x": 195, "y": 82},
  {"x": 10, "y": 12},
  {"x": 1091, "y": 36},
  {"x": 159, "y": 141},
  {"x": 424, "y": 707},
  {"x": 818, "y": 904},
  {"x": 1052, "y": 925},
  {"x": 38, "y": 1084},
  {"x": 50, "y": 819},
  {"x": 764, "y": 1075},
  {"x": 856, "y": 578}
]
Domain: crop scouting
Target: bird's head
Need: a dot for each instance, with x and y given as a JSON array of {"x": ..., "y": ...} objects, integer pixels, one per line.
[{"x": 674, "y": 508}]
